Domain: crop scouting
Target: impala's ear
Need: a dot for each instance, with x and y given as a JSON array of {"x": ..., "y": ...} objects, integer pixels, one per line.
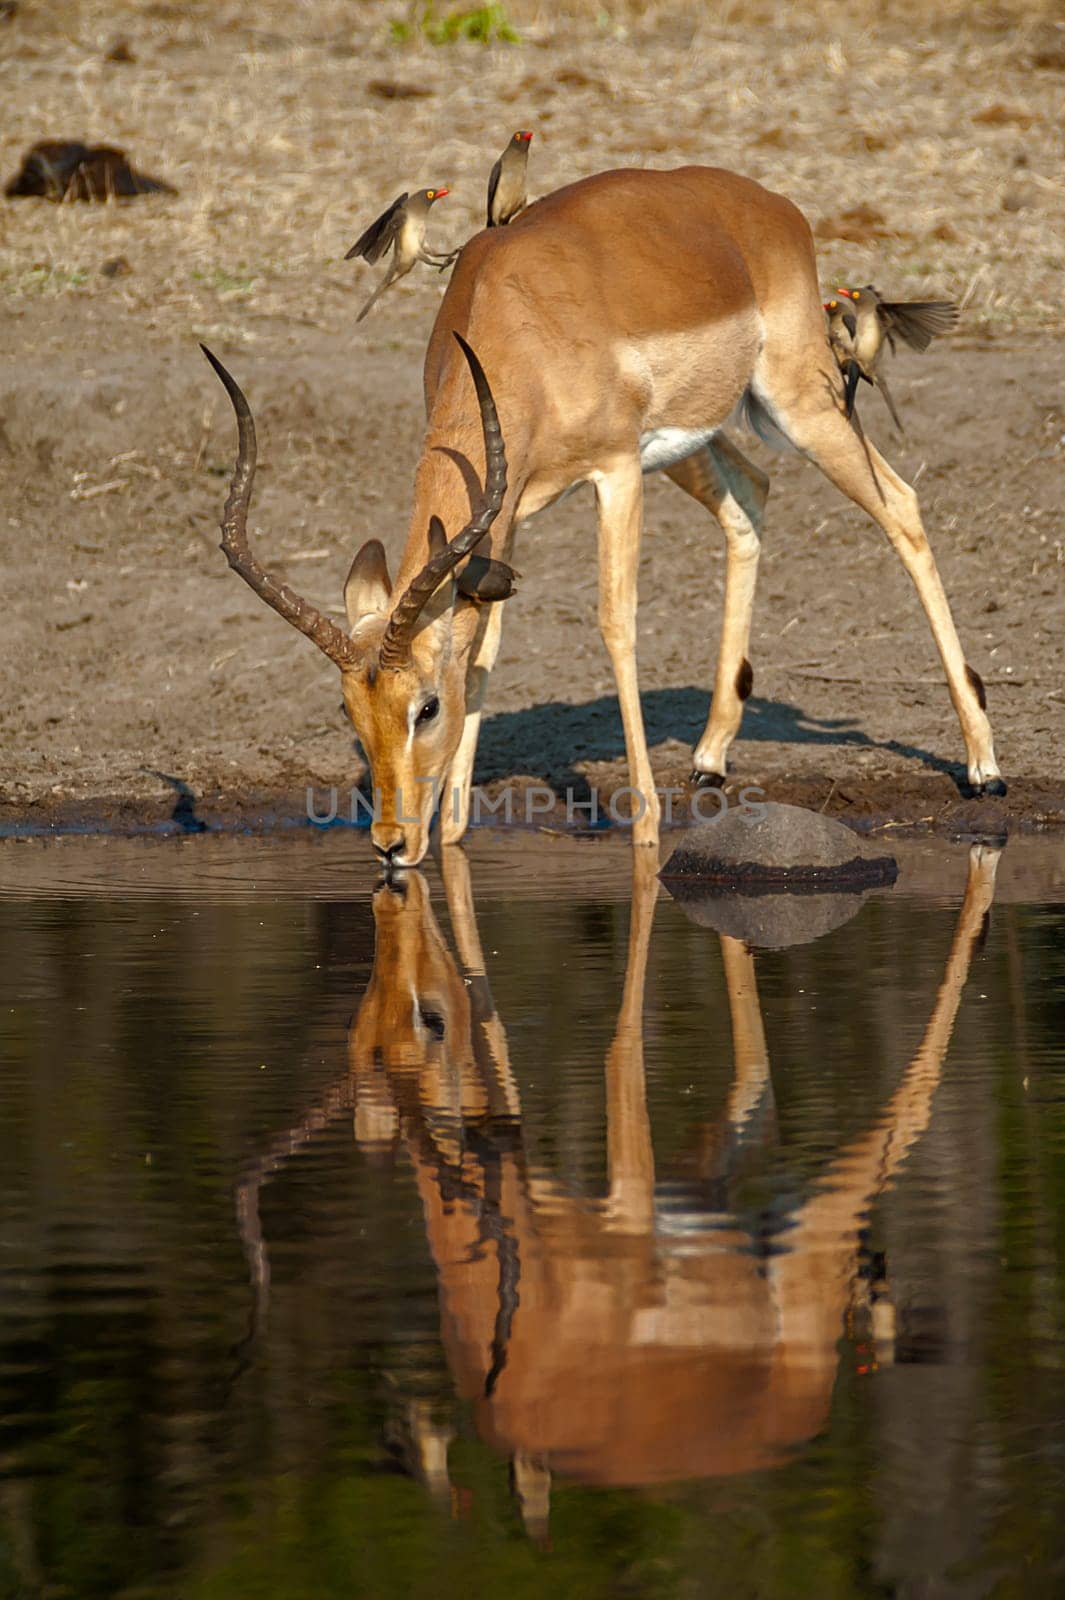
[
  {"x": 444, "y": 598},
  {"x": 482, "y": 579},
  {"x": 368, "y": 588},
  {"x": 437, "y": 537}
]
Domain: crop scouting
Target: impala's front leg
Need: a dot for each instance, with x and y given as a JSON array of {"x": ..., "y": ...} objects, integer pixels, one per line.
[
  {"x": 620, "y": 497},
  {"x": 455, "y": 801}
]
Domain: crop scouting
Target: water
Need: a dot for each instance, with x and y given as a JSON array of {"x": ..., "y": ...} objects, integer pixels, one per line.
[{"x": 565, "y": 1248}]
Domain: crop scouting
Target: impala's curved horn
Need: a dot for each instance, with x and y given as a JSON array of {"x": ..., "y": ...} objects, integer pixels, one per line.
[
  {"x": 330, "y": 639},
  {"x": 395, "y": 646}
]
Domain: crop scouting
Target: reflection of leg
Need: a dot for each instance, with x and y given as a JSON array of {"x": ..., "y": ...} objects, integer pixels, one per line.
[
  {"x": 430, "y": 1442},
  {"x": 630, "y": 1155},
  {"x": 751, "y": 1080},
  {"x": 870, "y": 1317},
  {"x": 531, "y": 1479},
  {"x": 884, "y": 1323},
  {"x": 813, "y": 1281},
  {"x": 489, "y": 1038}
]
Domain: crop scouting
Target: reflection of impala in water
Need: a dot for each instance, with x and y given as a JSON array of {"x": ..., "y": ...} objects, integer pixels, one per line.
[{"x": 594, "y": 1339}]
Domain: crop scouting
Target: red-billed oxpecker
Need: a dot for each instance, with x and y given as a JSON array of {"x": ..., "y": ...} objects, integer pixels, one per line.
[
  {"x": 507, "y": 182},
  {"x": 861, "y": 322},
  {"x": 401, "y": 228}
]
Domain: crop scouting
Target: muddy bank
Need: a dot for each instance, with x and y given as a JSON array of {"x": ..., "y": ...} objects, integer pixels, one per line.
[
  {"x": 132, "y": 661},
  {"x": 135, "y": 661},
  {"x": 893, "y": 807}
]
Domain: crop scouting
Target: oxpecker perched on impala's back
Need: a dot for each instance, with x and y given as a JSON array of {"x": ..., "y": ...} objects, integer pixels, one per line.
[{"x": 507, "y": 182}]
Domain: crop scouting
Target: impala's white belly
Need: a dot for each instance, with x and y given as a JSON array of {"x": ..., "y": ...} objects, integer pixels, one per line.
[{"x": 661, "y": 447}]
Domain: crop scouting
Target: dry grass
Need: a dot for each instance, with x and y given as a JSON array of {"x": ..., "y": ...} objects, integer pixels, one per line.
[{"x": 939, "y": 124}]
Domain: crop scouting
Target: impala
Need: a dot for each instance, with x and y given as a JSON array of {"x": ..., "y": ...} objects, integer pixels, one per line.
[{"x": 609, "y": 357}]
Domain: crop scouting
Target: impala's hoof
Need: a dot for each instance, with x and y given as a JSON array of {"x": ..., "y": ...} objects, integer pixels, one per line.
[
  {"x": 995, "y": 787},
  {"x": 707, "y": 780}
]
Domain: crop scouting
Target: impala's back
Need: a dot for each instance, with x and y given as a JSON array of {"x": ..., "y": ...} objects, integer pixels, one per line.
[{"x": 634, "y": 301}]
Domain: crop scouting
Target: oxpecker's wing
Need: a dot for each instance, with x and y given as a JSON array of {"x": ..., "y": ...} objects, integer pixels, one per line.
[
  {"x": 372, "y": 244},
  {"x": 493, "y": 185},
  {"x": 920, "y": 321}
]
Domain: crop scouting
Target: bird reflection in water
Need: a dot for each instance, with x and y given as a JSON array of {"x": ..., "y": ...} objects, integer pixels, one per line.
[{"x": 608, "y": 1342}]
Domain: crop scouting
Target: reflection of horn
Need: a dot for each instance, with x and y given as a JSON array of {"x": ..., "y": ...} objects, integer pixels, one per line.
[
  {"x": 503, "y": 1103},
  {"x": 249, "y": 1224}
]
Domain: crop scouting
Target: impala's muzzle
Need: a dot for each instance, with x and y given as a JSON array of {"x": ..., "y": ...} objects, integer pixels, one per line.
[
  {"x": 401, "y": 834},
  {"x": 389, "y": 841}
]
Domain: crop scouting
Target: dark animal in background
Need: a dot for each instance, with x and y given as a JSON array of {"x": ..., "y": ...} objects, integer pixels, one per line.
[{"x": 66, "y": 169}]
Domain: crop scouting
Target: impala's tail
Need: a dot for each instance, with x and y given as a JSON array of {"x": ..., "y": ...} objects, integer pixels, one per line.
[{"x": 756, "y": 415}]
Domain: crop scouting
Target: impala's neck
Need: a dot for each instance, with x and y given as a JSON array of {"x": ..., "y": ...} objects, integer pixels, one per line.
[{"x": 450, "y": 473}]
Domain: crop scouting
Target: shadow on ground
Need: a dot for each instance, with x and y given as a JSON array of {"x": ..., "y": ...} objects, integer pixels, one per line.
[{"x": 552, "y": 737}]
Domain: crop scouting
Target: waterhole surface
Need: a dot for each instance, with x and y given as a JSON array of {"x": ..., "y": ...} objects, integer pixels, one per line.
[{"x": 508, "y": 1233}]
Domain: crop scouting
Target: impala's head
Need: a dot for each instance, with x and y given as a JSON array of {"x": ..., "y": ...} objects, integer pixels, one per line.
[{"x": 403, "y": 663}]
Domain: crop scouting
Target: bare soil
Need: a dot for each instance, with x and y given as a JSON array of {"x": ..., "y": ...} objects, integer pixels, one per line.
[{"x": 138, "y": 677}]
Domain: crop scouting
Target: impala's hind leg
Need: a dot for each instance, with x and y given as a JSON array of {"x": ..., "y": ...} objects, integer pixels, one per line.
[
  {"x": 733, "y": 488},
  {"x": 820, "y": 431}
]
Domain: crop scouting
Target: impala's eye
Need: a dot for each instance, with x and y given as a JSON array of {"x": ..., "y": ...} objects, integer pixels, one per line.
[
  {"x": 433, "y": 1022},
  {"x": 428, "y": 710}
]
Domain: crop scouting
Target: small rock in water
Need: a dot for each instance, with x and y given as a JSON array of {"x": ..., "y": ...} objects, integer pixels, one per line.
[
  {"x": 773, "y": 875},
  {"x": 772, "y": 846}
]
